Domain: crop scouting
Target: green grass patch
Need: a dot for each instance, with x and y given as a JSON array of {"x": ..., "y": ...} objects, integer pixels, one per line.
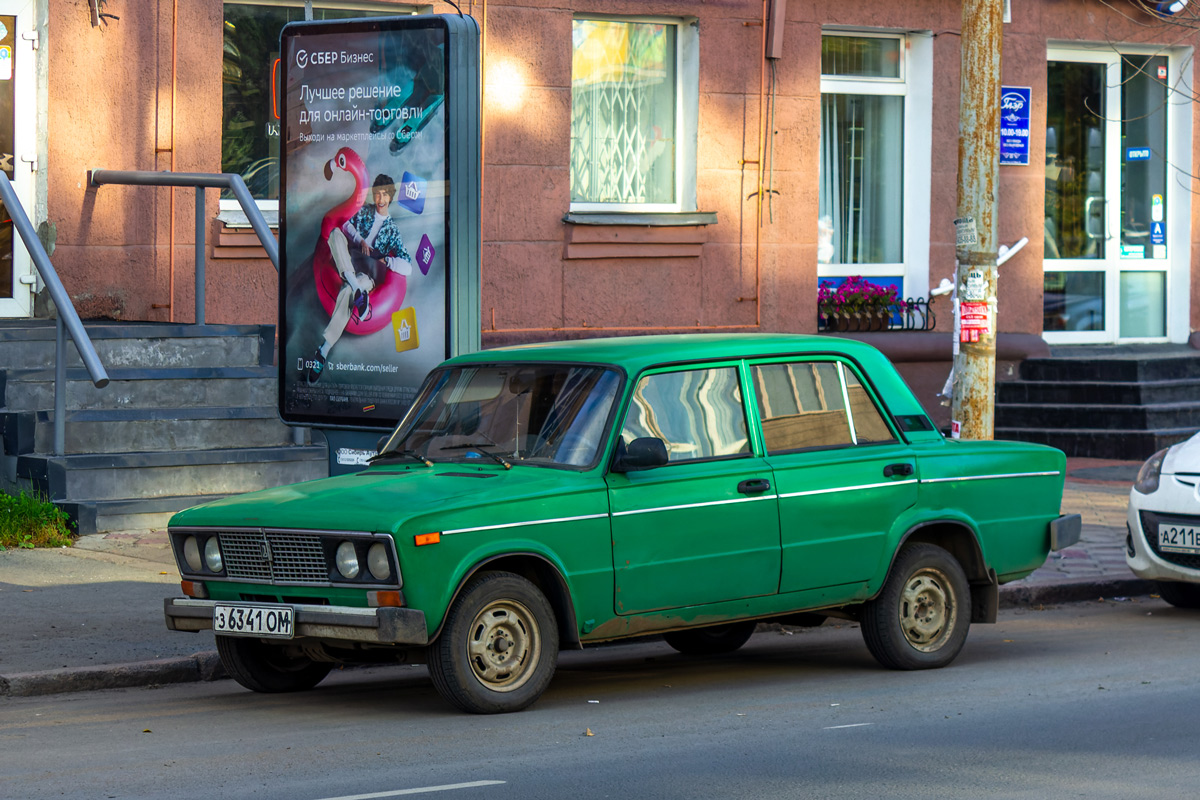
[{"x": 30, "y": 520}]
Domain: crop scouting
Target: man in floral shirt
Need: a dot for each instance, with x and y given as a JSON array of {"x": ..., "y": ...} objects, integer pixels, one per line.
[{"x": 365, "y": 245}]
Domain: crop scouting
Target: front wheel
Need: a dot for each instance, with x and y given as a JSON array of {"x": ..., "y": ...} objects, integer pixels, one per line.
[
  {"x": 268, "y": 668},
  {"x": 1180, "y": 595},
  {"x": 920, "y": 619},
  {"x": 498, "y": 648},
  {"x": 711, "y": 641}
]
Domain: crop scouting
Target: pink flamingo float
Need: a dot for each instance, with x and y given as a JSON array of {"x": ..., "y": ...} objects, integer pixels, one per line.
[{"x": 389, "y": 294}]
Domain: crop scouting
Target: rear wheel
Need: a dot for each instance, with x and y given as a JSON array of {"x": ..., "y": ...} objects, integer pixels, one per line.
[
  {"x": 268, "y": 668},
  {"x": 711, "y": 641},
  {"x": 920, "y": 619},
  {"x": 1180, "y": 595},
  {"x": 498, "y": 648}
]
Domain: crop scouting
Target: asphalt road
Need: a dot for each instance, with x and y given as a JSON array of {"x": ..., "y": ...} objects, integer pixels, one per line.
[{"x": 1091, "y": 700}]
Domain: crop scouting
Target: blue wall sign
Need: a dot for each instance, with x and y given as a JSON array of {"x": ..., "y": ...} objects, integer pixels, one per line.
[
  {"x": 1014, "y": 125},
  {"x": 1137, "y": 153}
]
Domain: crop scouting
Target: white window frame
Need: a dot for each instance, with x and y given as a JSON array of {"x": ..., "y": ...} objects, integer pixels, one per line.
[
  {"x": 915, "y": 85},
  {"x": 1179, "y": 200},
  {"x": 687, "y": 112},
  {"x": 231, "y": 210},
  {"x": 24, "y": 158}
]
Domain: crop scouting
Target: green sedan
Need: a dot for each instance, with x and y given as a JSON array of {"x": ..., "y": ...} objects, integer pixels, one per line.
[{"x": 558, "y": 495}]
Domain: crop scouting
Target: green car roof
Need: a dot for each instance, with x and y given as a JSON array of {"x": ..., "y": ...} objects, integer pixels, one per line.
[{"x": 636, "y": 353}]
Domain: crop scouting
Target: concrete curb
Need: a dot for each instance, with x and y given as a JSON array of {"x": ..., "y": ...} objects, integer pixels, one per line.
[
  {"x": 205, "y": 666},
  {"x": 1015, "y": 596}
]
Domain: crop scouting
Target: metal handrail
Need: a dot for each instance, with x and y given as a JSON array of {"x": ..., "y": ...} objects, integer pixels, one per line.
[
  {"x": 200, "y": 181},
  {"x": 67, "y": 315}
]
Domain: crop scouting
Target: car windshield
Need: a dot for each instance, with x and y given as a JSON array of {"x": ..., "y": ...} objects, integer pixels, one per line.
[{"x": 541, "y": 414}]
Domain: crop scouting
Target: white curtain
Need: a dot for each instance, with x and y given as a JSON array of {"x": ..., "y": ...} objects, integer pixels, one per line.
[{"x": 861, "y": 176}]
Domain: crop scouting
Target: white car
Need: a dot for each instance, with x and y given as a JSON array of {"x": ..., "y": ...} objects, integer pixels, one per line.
[{"x": 1164, "y": 523}]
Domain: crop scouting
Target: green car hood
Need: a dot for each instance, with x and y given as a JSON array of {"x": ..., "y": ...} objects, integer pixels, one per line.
[{"x": 383, "y": 499}]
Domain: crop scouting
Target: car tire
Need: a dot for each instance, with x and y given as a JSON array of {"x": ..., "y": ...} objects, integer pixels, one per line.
[
  {"x": 920, "y": 619},
  {"x": 268, "y": 668},
  {"x": 711, "y": 641},
  {"x": 1180, "y": 595},
  {"x": 498, "y": 648}
]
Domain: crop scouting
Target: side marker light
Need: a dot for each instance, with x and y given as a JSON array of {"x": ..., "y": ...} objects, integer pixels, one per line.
[
  {"x": 194, "y": 589},
  {"x": 383, "y": 599},
  {"x": 427, "y": 538}
]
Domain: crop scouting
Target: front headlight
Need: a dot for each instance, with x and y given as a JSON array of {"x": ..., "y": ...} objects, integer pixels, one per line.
[
  {"x": 212, "y": 554},
  {"x": 377, "y": 562},
  {"x": 1147, "y": 477},
  {"x": 347, "y": 560},
  {"x": 191, "y": 553}
]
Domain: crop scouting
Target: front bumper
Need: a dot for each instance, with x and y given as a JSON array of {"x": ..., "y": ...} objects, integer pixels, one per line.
[
  {"x": 1142, "y": 556},
  {"x": 385, "y": 625}
]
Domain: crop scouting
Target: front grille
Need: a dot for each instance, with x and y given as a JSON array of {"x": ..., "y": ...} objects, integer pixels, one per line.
[
  {"x": 1150, "y": 521},
  {"x": 274, "y": 556}
]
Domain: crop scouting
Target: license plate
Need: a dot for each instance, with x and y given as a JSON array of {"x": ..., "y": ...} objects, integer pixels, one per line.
[
  {"x": 1179, "y": 538},
  {"x": 273, "y": 622}
]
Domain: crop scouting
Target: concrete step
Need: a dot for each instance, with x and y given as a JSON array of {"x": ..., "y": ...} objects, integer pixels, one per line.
[
  {"x": 133, "y": 476},
  {"x": 1098, "y": 392},
  {"x": 138, "y": 387},
  {"x": 1130, "y": 369},
  {"x": 104, "y": 516},
  {"x": 1125, "y": 445},
  {"x": 146, "y": 430},
  {"x": 31, "y": 343},
  {"x": 1078, "y": 416}
]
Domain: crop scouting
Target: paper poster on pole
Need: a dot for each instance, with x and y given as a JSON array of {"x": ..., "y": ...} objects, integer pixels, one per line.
[{"x": 975, "y": 321}]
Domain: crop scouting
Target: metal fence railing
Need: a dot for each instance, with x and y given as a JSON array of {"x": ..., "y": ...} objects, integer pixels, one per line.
[
  {"x": 67, "y": 318},
  {"x": 200, "y": 181}
]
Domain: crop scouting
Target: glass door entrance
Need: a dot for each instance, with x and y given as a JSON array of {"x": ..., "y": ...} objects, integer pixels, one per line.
[
  {"x": 1107, "y": 254},
  {"x": 16, "y": 139}
]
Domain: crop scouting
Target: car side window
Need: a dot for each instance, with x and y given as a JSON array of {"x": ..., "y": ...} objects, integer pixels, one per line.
[
  {"x": 697, "y": 413},
  {"x": 810, "y": 404},
  {"x": 869, "y": 426}
]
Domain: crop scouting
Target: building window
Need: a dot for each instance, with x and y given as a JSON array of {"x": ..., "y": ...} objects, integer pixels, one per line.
[
  {"x": 875, "y": 158},
  {"x": 862, "y": 149},
  {"x": 633, "y": 105},
  {"x": 250, "y": 75}
]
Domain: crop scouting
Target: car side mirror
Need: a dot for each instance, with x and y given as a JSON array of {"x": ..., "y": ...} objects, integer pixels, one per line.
[{"x": 647, "y": 452}]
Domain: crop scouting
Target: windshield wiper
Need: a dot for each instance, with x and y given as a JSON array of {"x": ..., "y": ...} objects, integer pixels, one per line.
[
  {"x": 395, "y": 455},
  {"x": 479, "y": 448}
]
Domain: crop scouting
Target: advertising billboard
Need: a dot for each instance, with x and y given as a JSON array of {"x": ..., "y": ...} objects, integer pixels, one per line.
[{"x": 379, "y": 219}]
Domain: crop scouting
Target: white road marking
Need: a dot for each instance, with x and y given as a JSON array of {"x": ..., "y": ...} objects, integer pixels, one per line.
[
  {"x": 422, "y": 790},
  {"x": 855, "y": 725}
]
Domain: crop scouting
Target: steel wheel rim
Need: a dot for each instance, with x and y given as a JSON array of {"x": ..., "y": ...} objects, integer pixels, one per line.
[
  {"x": 504, "y": 645},
  {"x": 928, "y": 610}
]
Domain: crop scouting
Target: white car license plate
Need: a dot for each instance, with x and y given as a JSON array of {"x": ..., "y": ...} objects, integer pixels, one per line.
[
  {"x": 1179, "y": 538},
  {"x": 274, "y": 622}
]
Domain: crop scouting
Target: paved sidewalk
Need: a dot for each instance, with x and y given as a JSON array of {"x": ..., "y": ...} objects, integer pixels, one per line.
[{"x": 90, "y": 616}]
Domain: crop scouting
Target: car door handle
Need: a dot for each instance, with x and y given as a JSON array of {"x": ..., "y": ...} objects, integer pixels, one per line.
[
  {"x": 897, "y": 469},
  {"x": 754, "y": 486}
]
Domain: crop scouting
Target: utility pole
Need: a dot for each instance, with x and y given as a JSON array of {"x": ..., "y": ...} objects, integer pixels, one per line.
[{"x": 976, "y": 238}]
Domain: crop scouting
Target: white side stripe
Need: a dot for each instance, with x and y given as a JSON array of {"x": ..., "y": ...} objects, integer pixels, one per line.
[
  {"x": 991, "y": 477},
  {"x": 847, "y": 488},
  {"x": 745, "y": 500},
  {"x": 695, "y": 505},
  {"x": 524, "y": 522}
]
